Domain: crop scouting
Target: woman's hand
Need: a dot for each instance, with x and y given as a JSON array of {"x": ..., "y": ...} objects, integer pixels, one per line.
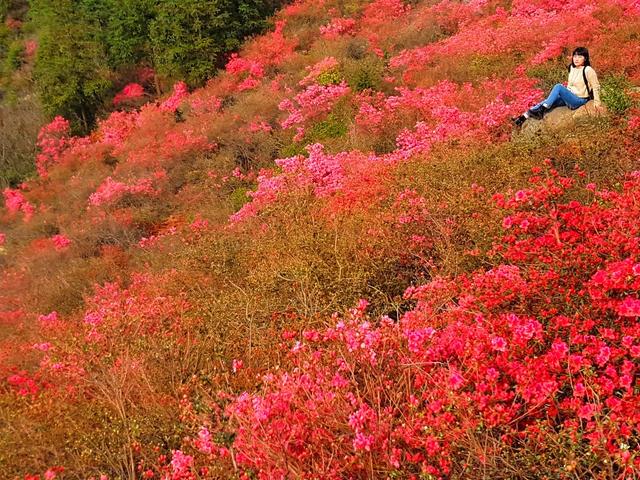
[{"x": 599, "y": 108}]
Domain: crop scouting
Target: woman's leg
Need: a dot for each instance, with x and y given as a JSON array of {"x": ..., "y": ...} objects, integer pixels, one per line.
[
  {"x": 555, "y": 98},
  {"x": 561, "y": 95},
  {"x": 570, "y": 99},
  {"x": 552, "y": 101}
]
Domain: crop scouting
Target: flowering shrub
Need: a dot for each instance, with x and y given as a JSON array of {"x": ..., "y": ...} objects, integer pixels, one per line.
[
  {"x": 381, "y": 13},
  {"x": 250, "y": 70},
  {"x": 439, "y": 108},
  {"x": 116, "y": 128},
  {"x": 180, "y": 92},
  {"x": 140, "y": 308},
  {"x": 273, "y": 48},
  {"x": 337, "y": 27},
  {"x": 30, "y": 48},
  {"x": 23, "y": 384},
  {"x": 311, "y": 102},
  {"x": 53, "y": 139},
  {"x": 521, "y": 29},
  {"x": 323, "y": 67},
  {"x": 60, "y": 242},
  {"x": 110, "y": 191},
  {"x": 509, "y": 351},
  {"x": 13, "y": 23},
  {"x": 132, "y": 91},
  {"x": 15, "y": 202},
  {"x": 157, "y": 144},
  {"x": 320, "y": 174},
  {"x": 202, "y": 102},
  {"x": 181, "y": 466}
]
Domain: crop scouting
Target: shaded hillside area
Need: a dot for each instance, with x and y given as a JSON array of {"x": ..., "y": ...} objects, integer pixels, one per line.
[{"x": 337, "y": 259}]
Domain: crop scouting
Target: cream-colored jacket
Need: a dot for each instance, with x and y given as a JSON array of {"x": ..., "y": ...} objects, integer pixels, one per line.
[{"x": 576, "y": 83}]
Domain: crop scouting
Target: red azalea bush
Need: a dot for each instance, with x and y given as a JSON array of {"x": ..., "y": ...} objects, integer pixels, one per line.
[
  {"x": 132, "y": 91},
  {"x": 544, "y": 344}
]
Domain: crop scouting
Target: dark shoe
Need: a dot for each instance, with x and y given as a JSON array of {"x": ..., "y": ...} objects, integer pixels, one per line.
[
  {"x": 538, "y": 113},
  {"x": 518, "y": 120}
]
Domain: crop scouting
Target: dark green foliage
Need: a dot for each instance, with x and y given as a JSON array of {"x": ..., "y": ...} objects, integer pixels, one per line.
[
  {"x": 332, "y": 127},
  {"x": 330, "y": 77},
  {"x": 14, "y": 57},
  {"x": 5, "y": 36},
  {"x": 365, "y": 73},
  {"x": 292, "y": 149},
  {"x": 10, "y": 45},
  {"x": 71, "y": 71},
  {"x": 14, "y": 8},
  {"x": 238, "y": 198},
  {"x": 190, "y": 38},
  {"x": 614, "y": 93},
  {"x": 127, "y": 31}
]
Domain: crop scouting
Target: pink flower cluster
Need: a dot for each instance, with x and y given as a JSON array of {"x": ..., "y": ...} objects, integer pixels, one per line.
[
  {"x": 181, "y": 467},
  {"x": 30, "y": 48},
  {"x": 327, "y": 64},
  {"x": 51, "y": 320},
  {"x": 202, "y": 102},
  {"x": 337, "y": 27},
  {"x": 60, "y": 242},
  {"x": 523, "y": 29},
  {"x": 273, "y": 48},
  {"x": 179, "y": 94},
  {"x": 312, "y": 102},
  {"x": 111, "y": 191},
  {"x": 53, "y": 140},
  {"x": 442, "y": 113},
  {"x": 15, "y": 202},
  {"x": 250, "y": 71},
  {"x": 116, "y": 128},
  {"x": 320, "y": 174},
  {"x": 164, "y": 146},
  {"x": 131, "y": 91},
  {"x": 139, "y": 309},
  {"x": 23, "y": 384}
]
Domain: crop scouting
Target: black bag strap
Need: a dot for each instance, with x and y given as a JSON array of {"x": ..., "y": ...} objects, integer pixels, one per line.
[{"x": 584, "y": 77}]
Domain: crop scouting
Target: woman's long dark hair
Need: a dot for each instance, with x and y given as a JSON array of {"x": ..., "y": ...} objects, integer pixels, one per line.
[{"x": 581, "y": 51}]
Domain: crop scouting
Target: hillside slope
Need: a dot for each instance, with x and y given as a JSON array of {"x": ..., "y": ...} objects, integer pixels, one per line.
[{"x": 337, "y": 260}]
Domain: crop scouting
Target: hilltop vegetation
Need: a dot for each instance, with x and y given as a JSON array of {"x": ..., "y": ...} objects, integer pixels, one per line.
[
  {"x": 336, "y": 259},
  {"x": 69, "y": 58}
]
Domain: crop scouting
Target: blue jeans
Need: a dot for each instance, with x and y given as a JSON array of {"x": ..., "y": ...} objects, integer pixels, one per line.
[{"x": 559, "y": 96}]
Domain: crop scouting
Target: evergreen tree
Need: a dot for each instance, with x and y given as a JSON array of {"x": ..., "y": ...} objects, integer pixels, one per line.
[
  {"x": 127, "y": 31},
  {"x": 189, "y": 36},
  {"x": 71, "y": 72},
  {"x": 190, "y": 39}
]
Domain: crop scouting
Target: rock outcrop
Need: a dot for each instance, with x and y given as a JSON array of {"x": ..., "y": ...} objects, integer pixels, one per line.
[{"x": 560, "y": 118}]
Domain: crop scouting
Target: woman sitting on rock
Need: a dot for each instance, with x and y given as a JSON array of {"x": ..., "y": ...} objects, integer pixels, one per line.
[{"x": 582, "y": 86}]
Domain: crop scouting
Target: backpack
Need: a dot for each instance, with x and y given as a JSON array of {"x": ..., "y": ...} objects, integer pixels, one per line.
[{"x": 584, "y": 77}]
